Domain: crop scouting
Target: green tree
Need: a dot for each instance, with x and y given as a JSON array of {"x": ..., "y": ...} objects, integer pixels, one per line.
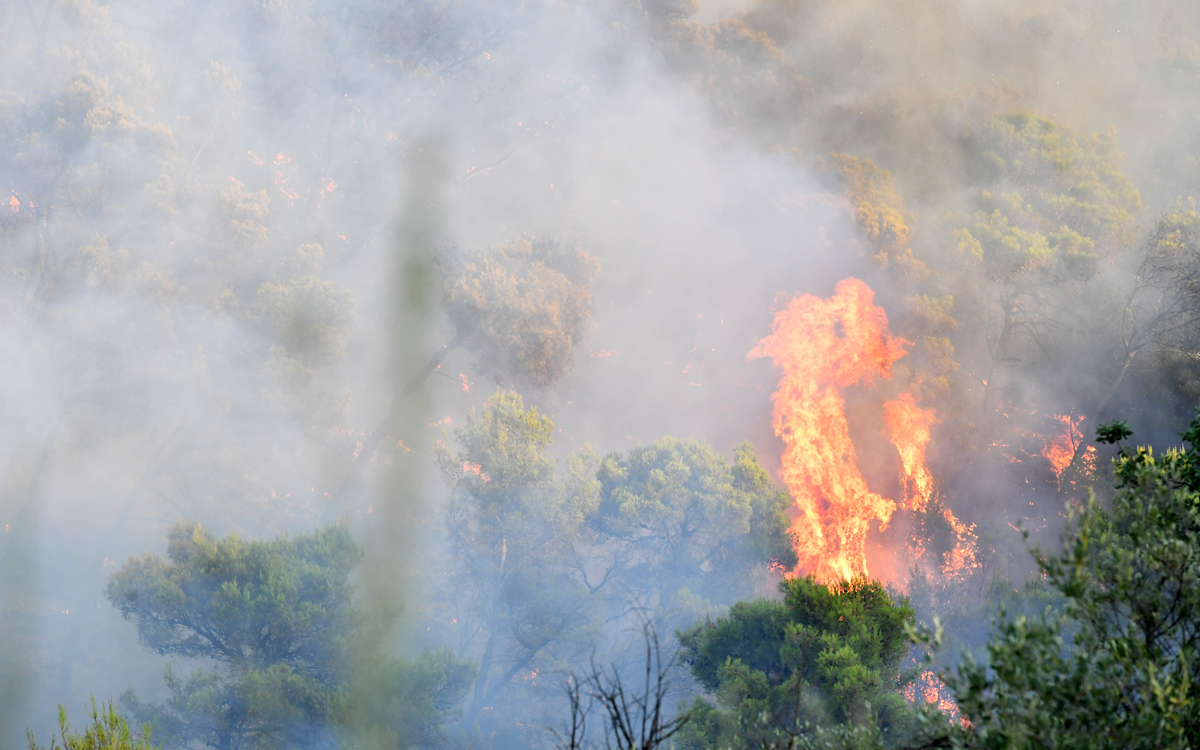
[
  {"x": 274, "y": 615},
  {"x": 107, "y": 730},
  {"x": 406, "y": 703},
  {"x": 519, "y": 309},
  {"x": 681, "y": 522},
  {"x": 517, "y": 591},
  {"x": 822, "y": 666},
  {"x": 878, "y": 211},
  {"x": 1117, "y": 666},
  {"x": 277, "y": 618},
  {"x": 542, "y": 555},
  {"x": 309, "y": 317}
]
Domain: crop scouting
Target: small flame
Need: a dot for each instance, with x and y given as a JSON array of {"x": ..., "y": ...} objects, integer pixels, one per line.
[
  {"x": 910, "y": 425},
  {"x": 476, "y": 469},
  {"x": 1060, "y": 449},
  {"x": 930, "y": 689},
  {"x": 962, "y": 559}
]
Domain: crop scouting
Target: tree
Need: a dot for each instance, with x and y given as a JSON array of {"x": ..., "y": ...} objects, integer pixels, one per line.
[
  {"x": 1050, "y": 207},
  {"x": 515, "y": 593},
  {"x": 278, "y": 620},
  {"x": 541, "y": 557},
  {"x": 681, "y": 522},
  {"x": 793, "y": 672},
  {"x": 1117, "y": 666},
  {"x": 633, "y": 718},
  {"x": 520, "y": 308},
  {"x": 274, "y": 616},
  {"x": 751, "y": 84},
  {"x": 878, "y": 211},
  {"x": 405, "y": 703},
  {"x": 1162, "y": 312},
  {"x": 108, "y": 730},
  {"x": 309, "y": 317}
]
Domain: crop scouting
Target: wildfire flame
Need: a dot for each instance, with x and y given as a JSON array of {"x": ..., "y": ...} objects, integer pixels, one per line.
[
  {"x": 823, "y": 346},
  {"x": 1059, "y": 439},
  {"x": 909, "y": 426},
  {"x": 961, "y": 560},
  {"x": 1061, "y": 448},
  {"x": 929, "y": 688}
]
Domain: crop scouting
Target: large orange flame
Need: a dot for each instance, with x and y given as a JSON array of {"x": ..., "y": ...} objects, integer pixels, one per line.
[{"x": 822, "y": 346}]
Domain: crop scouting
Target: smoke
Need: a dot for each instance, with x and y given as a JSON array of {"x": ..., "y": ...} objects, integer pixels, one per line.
[{"x": 188, "y": 180}]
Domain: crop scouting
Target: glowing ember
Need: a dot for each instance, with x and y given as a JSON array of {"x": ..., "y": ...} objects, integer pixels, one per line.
[
  {"x": 823, "y": 346},
  {"x": 14, "y": 204}
]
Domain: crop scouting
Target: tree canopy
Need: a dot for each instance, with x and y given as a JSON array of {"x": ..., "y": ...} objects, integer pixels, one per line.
[
  {"x": 542, "y": 554},
  {"x": 680, "y": 515},
  {"x": 277, "y": 621},
  {"x": 1115, "y": 666},
  {"x": 521, "y": 308},
  {"x": 827, "y": 656}
]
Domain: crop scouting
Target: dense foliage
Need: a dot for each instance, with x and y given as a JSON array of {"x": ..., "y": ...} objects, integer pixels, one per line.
[
  {"x": 541, "y": 558},
  {"x": 199, "y": 320},
  {"x": 678, "y": 515},
  {"x": 825, "y": 657},
  {"x": 273, "y": 615},
  {"x": 1115, "y": 667},
  {"x": 276, "y": 620},
  {"x": 521, "y": 308}
]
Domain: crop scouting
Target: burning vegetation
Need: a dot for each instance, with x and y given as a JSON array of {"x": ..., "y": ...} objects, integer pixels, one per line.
[
  {"x": 824, "y": 346},
  {"x": 419, "y": 359}
]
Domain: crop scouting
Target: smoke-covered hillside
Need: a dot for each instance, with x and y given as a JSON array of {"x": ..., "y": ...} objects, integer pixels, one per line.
[{"x": 488, "y": 321}]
